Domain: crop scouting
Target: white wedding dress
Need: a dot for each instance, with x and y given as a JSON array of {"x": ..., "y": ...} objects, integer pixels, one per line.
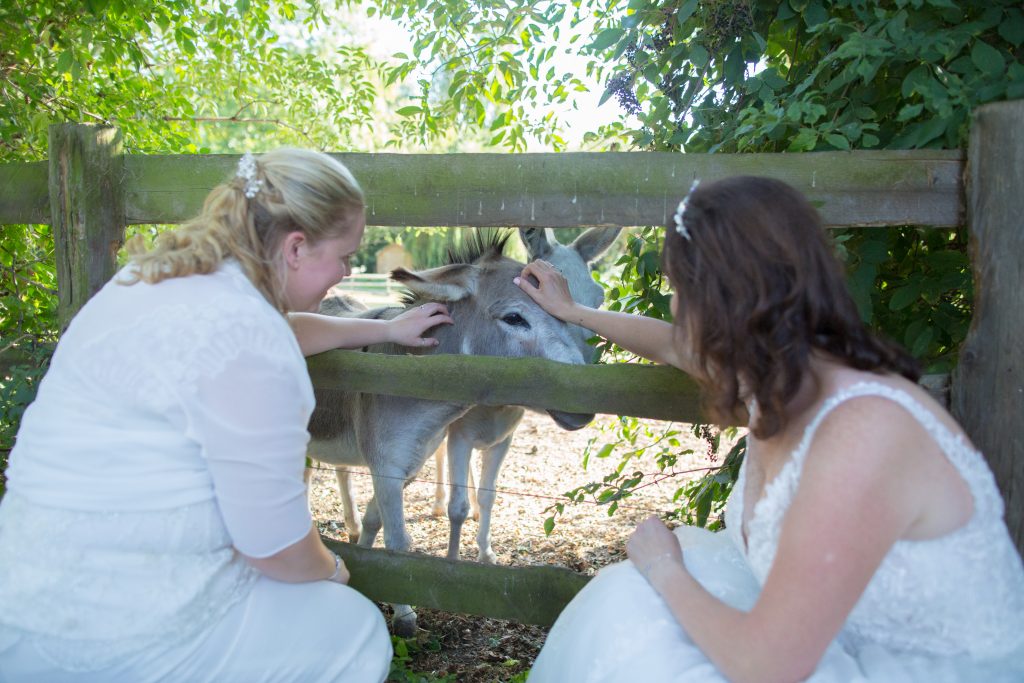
[
  {"x": 168, "y": 436},
  {"x": 941, "y": 610}
]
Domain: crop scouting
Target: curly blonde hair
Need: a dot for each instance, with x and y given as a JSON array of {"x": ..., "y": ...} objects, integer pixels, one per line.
[{"x": 301, "y": 190}]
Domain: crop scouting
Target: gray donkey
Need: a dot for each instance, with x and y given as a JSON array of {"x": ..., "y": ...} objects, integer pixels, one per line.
[
  {"x": 393, "y": 435},
  {"x": 490, "y": 429}
]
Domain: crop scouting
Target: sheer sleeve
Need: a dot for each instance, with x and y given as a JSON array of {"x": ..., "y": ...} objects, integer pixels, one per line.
[{"x": 250, "y": 420}]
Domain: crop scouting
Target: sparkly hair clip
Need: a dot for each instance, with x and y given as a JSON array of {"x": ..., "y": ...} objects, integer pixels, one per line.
[
  {"x": 681, "y": 211},
  {"x": 247, "y": 171}
]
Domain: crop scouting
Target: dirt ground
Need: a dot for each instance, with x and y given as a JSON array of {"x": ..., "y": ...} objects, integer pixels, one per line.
[{"x": 543, "y": 463}]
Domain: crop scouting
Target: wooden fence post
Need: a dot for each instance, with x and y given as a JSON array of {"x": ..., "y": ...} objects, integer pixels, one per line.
[
  {"x": 988, "y": 385},
  {"x": 86, "y": 209}
]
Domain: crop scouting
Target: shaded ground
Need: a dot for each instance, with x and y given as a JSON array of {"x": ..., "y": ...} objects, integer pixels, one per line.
[{"x": 543, "y": 463}]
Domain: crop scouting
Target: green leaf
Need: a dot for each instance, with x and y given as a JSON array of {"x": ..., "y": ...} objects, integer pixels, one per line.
[
  {"x": 410, "y": 110},
  {"x": 804, "y": 141},
  {"x": 914, "y": 81},
  {"x": 549, "y": 526},
  {"x": 904, "y": 296},
  {"x": 65, "y": 61},
  {"x": 607, "y": 38},
  {"x": 815, "y": 14},
  {"x": 910, "y": 111},
  {"x": 988, "y": 59},
  {"x": 922, "y": 342},
  {"x": 1011, "y": 29},
  {"x": 837, "y": 141},
  {"x": 698, "y": 56}
]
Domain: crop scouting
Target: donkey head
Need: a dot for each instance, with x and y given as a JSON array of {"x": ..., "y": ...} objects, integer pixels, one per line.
[
  {"x": 573, "y": 261},
  {"x": 493, "y": 317}
]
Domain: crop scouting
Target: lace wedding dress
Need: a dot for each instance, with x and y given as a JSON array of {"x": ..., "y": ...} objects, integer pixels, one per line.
[{"x": 943, "y": 609}]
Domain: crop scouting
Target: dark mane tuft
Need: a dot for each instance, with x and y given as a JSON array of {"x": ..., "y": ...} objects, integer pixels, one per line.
[{"x": 480, "y": 244}]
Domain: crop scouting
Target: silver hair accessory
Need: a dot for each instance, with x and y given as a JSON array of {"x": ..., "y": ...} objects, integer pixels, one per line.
[
  {"x": 681, "y": 211},
  {"x": 247, "y": 171}
]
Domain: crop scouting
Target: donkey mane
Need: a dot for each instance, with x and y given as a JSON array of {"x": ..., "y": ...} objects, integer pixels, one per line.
[{"x": 480, "y": 244}]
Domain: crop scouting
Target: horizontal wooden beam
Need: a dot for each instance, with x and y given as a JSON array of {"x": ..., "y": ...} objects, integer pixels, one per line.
[
  {"x": 658, "y": 392},
  {"x": 862, "y": 188},
  {"x": 653, "y": 391},
  {"x": 576, "y": 189},
  {"x": 529, "y": 595}
]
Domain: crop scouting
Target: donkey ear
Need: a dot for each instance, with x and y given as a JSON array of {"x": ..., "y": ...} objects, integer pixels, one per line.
[
  {"x": 594, "y": 242},
  {"x": 447, "y": 283},
  {"x": 539, "y": 244}
]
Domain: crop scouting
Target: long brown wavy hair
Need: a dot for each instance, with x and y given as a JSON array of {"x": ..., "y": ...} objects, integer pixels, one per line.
[{"x": 760, "y": 288}]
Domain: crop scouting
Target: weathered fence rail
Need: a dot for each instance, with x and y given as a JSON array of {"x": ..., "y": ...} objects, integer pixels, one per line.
[
  {"x": 545, "y": 190},
  {"x": 529, "y": 595},
  {"x": 89, "y": 191}
]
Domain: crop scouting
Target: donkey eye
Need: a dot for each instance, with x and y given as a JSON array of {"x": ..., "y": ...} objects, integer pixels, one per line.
[{"x": 515, "y": 320}]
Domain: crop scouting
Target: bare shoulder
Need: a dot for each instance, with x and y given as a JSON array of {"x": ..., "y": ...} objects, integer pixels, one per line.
[
  {"x": 878, "y": 406},
  {"x": 875, "y": 444},
  {"x": 870, "y": 429}
]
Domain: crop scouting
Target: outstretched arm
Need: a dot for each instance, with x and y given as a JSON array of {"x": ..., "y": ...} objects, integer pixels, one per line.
[
  {"x": 317, "y": 333},
  {"x": 648, "y": 337}
]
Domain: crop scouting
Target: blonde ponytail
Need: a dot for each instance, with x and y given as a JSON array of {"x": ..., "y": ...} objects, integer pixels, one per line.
[{"x": 297, "y": 190}]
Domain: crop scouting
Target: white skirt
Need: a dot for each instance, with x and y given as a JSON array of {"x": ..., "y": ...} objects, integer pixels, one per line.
[
  {"x": 307, "y": 633},
  {"x": 619, "y": 629}
]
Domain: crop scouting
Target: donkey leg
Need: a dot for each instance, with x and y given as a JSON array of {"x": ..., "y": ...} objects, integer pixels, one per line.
[
  {"x": 348, "y": 503},
  {"x": 439, "y": 488},
  {"x": 474, "y": 500},
  {"x": 388, "y": 486},
  {"x": 493, "y": 457},
  {"x": 460, "y": 448},
  {"x": 371, "y": 523},
  {"x": 403, "y": 619}
]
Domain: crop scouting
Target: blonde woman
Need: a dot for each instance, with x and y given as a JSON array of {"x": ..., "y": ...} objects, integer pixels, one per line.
[{"x": 155, "y": 525}]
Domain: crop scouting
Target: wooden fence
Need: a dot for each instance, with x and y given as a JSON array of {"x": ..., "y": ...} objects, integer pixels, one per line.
[{"x": 89, "y": 191}]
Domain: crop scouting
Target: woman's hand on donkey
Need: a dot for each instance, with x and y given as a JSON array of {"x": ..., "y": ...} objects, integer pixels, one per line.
[
  {"x": 544, "y": 284},
  {"x": 408, "y": 328}
]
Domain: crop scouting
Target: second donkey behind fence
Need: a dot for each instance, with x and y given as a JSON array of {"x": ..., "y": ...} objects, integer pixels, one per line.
[
  {"x": 392, "y": 435},
  {"x": 490, "y": 428}
]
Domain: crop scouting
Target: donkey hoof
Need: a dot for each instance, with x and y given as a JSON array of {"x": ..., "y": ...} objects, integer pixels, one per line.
[
  {"x": 353, "y": 537},
  {"x": 487, "y": 556},
  {"x": 438, "y": 510},
  {"x": 476, "y": 515},
  {"x": 404, "y": 626}
]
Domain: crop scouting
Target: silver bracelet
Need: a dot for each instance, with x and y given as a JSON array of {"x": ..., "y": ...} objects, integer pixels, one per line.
[{"x": 337, "y": 566}]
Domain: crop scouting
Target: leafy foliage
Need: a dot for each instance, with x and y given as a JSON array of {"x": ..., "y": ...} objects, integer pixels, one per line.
[
  {"x": 483, "y": 65},
  {"x": 404, "y": 649}
]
